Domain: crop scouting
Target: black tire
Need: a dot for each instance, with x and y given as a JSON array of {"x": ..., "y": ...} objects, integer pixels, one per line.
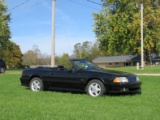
[
  {"x": 36, "y": 84},
  {"x": 1, "y": 70},
  {"x": 95, "y": 88}
]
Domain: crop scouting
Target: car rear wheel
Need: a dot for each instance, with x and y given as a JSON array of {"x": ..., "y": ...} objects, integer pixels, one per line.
[
  {"x": 95, "y": 88},
  {"x": 1, "y": 70},
  {"x": 36, "y": 84}
]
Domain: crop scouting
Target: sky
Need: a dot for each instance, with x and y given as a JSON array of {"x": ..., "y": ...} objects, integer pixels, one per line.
[{"x": 31, "y": 24}]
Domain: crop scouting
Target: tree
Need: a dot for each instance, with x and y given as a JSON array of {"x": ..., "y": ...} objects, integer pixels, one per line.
[
  {"x": 95, "y": 52},
  {"x": 12, "y": 55},
  {"x": 4, "y": 28},
  {"x": 34, "y": 57},
  {"x": 117, "y": 27},
  {"x": 86, "y": 50},
  {"x": 63, "y": 60},
  {"x": 37, "y": 54},
  {"x": 44, "y": 59},
  {"x": 28, "y": 58},
  {"x": 77, "y": 50},
  {"x": 10, "y": 51},
  {"x": 16, "y": 56}
]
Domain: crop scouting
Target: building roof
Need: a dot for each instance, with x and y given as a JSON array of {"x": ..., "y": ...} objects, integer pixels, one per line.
[{"x": 123, "y": 58}]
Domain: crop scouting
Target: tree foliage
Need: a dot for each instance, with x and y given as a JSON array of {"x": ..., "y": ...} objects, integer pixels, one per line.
[
  {"x": 9, "y": 51},
  {"x": 117, "y": 27},
  {"x": 63, "y": 60},
  {"x": 12, "y": 55},
  {"x": 86, "y": 50},
  {"x": 35, "y": 57},
  {"x": 4, "y": 28}
]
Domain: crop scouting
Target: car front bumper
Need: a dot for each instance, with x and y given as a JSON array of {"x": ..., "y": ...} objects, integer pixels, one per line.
[{"x": 124, "y": 88}]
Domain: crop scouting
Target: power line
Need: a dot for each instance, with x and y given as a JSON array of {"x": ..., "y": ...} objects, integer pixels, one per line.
[
  {"x": 38, "y": 3},
  {"x": 19, "y": 5},
  {"x": 94, "y": 2},
  {"x": 83, "y": 4}
]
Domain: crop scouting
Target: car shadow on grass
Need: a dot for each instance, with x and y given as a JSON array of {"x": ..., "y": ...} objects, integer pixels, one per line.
[
  {"x": 67, "y": 91},
  {"x": 123, "y": 94},
  {"x": 82, "y": 92}
]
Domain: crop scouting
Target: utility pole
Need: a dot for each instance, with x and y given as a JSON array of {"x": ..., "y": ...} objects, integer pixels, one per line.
[
  {"x": 53, "y": 34},
  {"x": 142, "y": 56}
]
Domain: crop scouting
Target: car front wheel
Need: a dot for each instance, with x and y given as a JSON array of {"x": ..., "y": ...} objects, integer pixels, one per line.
[
  {"x": 36, "y": 84},
  {"x": 95, "y": 88}
]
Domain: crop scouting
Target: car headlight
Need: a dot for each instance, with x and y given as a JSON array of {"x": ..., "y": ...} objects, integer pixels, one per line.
[{"x": 120, "y": 79}]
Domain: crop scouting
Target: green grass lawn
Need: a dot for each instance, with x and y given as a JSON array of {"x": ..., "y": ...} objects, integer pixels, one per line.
[
  {"x": 19, "y": 103},
  {"x": 13, "y": 71},
  {"x": 133, "y": 69}
]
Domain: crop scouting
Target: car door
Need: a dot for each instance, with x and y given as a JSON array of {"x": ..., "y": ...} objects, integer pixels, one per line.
[{"x": 68, "y": 78}]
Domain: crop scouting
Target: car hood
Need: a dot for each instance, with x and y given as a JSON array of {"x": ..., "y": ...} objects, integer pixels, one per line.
[{"x": 113, "y": 72}]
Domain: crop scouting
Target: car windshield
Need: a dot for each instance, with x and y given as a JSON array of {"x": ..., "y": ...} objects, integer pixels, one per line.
[{"x": 84, "y": 65}]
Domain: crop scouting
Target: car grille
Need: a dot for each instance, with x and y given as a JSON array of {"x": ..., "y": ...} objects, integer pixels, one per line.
[{"x": 132, "y": 79}]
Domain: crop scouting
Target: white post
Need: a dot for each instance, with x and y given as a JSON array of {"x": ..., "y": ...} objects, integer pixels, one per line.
[
  {"x": 53, "y": 34},
  {"x": 142, "y": 56}
]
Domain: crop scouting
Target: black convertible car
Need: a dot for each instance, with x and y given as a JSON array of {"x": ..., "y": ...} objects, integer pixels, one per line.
[
  {"x": 83, "y": 76},
  {"x": 2, "y": 66}
]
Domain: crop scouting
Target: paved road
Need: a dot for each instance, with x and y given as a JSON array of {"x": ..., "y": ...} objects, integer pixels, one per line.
[{"x": 148, "y": 74}]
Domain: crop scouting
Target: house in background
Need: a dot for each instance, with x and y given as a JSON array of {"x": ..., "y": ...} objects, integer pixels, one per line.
[
  {"x": 117, "y": 61},
  {"x": 156, "y": 60}
]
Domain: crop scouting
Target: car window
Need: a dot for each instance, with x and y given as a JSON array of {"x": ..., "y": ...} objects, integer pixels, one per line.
[
  {"x": 79, "y": 65},
  {"x": 83, "y": 65}
]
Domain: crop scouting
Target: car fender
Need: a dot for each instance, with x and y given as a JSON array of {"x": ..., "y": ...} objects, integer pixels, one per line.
[
  {"x": 35, "y": 75},
  {"x": 100, "y": 79}
]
